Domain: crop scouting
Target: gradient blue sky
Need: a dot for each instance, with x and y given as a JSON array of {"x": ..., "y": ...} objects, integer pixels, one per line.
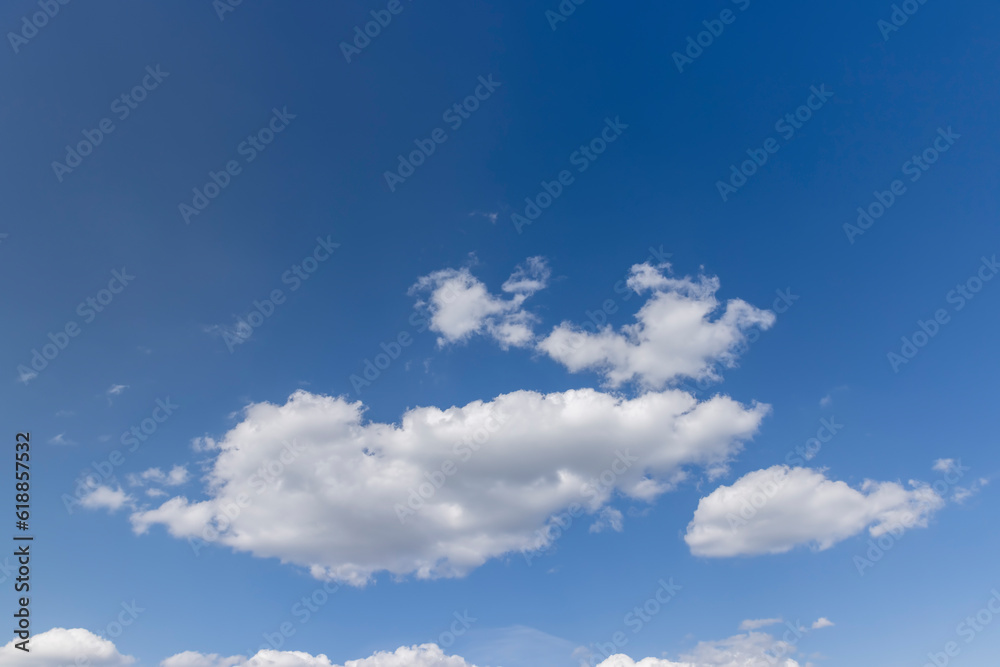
[{"x": 655, "y": 186}]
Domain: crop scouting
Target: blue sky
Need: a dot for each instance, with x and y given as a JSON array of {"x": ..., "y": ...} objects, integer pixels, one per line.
[{"x": 732, "y": 325}]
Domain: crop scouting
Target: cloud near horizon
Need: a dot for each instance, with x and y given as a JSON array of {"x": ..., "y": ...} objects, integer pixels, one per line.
[{"x": 59, "y": 647}]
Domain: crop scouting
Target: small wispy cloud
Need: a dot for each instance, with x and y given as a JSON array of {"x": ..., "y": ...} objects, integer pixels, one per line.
[
  {"x": 61, "y": 439},
  {"x": 491, "y": 216},
  {"x": 178, "y": 475},
  {"x": 963, "y": 493},
  {"x": 25, "y": 376},
  {"x": 822, "y": 622},
  {"x": 945, "y": 465},
  {"x": 609, "y": 518},
  {"x": 827, "y": 400},
  {"x": 116, "y": 389},
  {"x": 104, "y": 497},
  {"x": 755, "y": 623}
]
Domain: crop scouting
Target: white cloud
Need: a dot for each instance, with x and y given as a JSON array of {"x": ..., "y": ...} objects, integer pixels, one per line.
[
  {"x": 61, "y": 439},
  {"x": 206, "y": 443},
  {"x": 178, "y": 475},
  {"x": 117, "y": 389},
  {"x": 953, "y": 471},
  {"x": 673, "y": 336},
  {"x": 608, "y": 517},
  {"x": 755, "y": 623},
  {"x": 59, "y": 647},
  {"x": 195, "y": 659},
  {"x": 753, "y": 648},
  {"x": 459, "y": 305},
  {"x": 945, "y": 465},
  {"x": 337, "y": 487},
  {"x": 826, "y": 401},
  {"x": 748, "y": 650},
  {"x": 489, "y": 215},
  {"x": 822, "y": 622},
  {"x": 424, "y": 655},
  {"x": 963, "y": 493},
  {"x": 774, "y": 510},
  {"x": 104, "y": 497}
]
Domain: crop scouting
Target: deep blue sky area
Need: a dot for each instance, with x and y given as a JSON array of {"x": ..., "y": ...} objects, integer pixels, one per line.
[{"x": 665, "y": 184}]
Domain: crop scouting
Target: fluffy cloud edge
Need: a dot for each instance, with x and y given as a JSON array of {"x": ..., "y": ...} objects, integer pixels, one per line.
[
  {"x": 60, "y": 646},
  {"x": 682, "y": 331},
  {"x": 392, "y": 490},
  {"x": 460, "y": 306},
  {"x": 777, "y": 509}
]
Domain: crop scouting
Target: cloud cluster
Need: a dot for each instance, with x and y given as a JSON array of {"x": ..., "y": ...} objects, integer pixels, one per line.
[
  {"x": 774, "y": 510},
  {"x": 59, "y": 647},
  {"x": 757, "y": 623},
  {"x": 674, "y": 335},
  {"x": 682, "y": 330},
  {"x": 424, "y": 655},
  {"x": 459, "y": 305},
  {"x": 177, "y": 476},
  {"x": 312, "y": 483},
  {"x": 106, "y": 497},
  {"x": 752, "y": 648}
]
